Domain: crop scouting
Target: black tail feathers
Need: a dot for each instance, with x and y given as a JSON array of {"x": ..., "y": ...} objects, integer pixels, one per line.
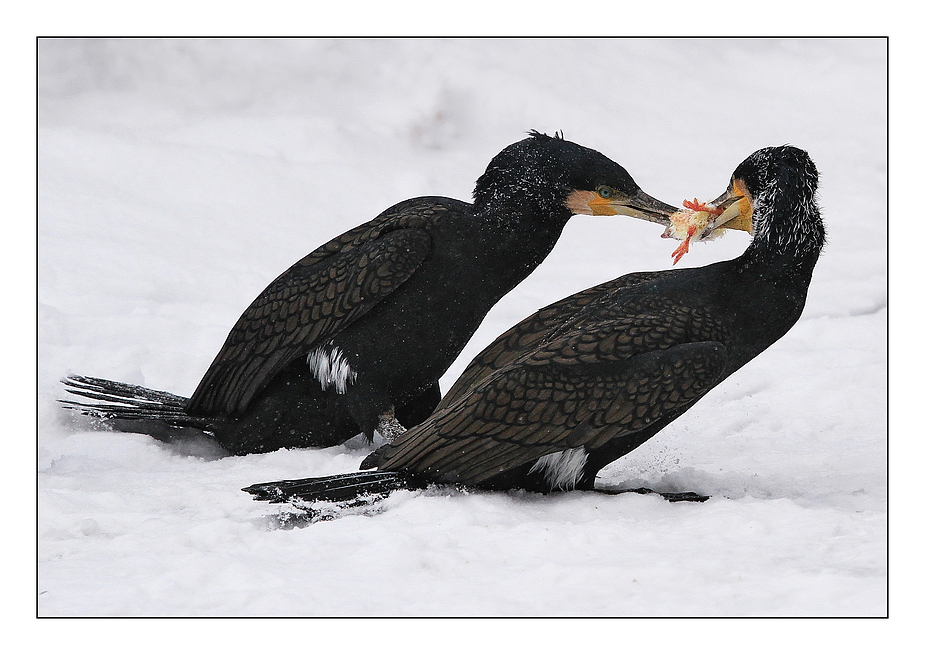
[
  {"x": 334, "y": 488},
  {"x": 129, "y": 407}
]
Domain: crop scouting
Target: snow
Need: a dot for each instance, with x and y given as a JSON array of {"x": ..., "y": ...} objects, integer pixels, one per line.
[{"x": 178, "y": 177}]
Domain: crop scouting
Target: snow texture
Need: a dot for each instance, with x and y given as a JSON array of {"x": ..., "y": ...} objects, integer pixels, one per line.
[{"x": 177, "y": 178}]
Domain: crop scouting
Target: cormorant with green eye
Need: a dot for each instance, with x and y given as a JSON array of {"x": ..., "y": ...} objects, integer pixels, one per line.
[
  {"x": 588, "y": 379},
  {"x": 355, "y": 336}
]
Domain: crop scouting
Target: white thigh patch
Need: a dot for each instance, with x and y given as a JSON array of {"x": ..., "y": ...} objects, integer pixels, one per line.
[
  {"x": 331, "y": 368},
  {"x": 562, "y": 470}
]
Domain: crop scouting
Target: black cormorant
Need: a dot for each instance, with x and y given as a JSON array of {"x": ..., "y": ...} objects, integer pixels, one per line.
[
  {"x": 586, "y": 380},
  {"x": 355, "y": 336}
]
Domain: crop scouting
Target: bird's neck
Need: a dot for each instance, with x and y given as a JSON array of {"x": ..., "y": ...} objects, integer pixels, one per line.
[
  {"x": 513, "y": 241},
  {"x": 788, "y": 236},
  {"x": 521, "y": 224}
]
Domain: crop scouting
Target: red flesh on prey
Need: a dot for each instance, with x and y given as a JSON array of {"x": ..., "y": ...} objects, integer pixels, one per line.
[{"x": 696, "y": 206}]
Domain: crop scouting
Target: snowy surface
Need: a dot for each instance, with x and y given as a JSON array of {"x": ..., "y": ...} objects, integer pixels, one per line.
[{"x": 177, "y": 178}]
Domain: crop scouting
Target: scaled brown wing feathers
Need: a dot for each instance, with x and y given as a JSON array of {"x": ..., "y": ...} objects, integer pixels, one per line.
[
  {"x": 303, "y": 308},
  {"x": 534, "y": 330},
  {"x": 582, "y": 389}
]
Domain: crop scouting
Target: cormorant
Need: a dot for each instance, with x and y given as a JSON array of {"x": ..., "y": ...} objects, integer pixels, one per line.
[
  {"x": 355, "y": 336},
  {"x": 584, "y": 381}
]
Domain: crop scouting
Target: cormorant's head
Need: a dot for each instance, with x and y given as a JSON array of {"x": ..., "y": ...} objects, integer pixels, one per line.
[
  {"x": 771, "y": 195},
  {"x": 553, "y": 176},
  {"x": 763, "y": 174}
]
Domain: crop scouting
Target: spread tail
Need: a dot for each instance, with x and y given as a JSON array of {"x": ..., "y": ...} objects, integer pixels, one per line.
[
  {"x": 131, "y": 408},
  {"x": 335, "y": 488}
]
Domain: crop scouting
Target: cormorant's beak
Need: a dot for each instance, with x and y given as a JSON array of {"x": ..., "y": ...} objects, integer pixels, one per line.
[
  {"x": 640, "y": 205},
  {"x": 644, "y": 206},
  {"x": 736, "y": 207}
]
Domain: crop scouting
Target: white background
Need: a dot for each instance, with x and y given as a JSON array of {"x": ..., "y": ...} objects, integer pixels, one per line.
[{"x": 177, "y": 178}]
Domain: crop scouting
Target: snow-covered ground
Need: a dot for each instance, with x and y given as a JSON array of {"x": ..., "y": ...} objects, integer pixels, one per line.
[{"x": 178, "y": 177}]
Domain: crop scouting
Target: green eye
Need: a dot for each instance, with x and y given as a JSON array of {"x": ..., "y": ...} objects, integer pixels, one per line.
[{"x": 605, "y": 192}]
